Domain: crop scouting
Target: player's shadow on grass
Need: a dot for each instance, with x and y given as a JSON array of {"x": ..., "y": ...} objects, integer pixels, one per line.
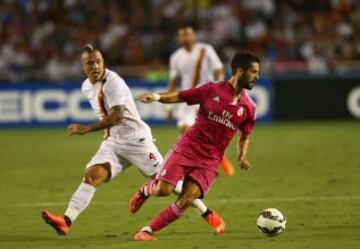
[
  {"x": 67, "y": 239},
  {"x": 26, "y": 238}
]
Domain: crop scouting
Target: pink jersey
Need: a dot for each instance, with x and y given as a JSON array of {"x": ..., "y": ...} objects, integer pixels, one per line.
[{"x": 218, "y": 120}]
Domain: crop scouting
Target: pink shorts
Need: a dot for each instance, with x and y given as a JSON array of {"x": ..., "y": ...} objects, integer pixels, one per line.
[{"x": 177, "y": 166}]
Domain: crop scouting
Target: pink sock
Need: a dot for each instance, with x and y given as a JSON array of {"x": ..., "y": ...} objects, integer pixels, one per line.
[
  {"x": 167, "y": 216},
  {"x": 148, "y": 188}
]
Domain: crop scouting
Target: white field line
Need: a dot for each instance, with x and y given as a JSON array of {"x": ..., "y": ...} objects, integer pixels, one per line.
[{"x": 212, "y": 201}]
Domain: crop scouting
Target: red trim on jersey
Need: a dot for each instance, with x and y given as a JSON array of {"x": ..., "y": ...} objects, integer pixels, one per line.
[
  {"x": 103, "y": 111},
  {"x": 196, "y": 75}
]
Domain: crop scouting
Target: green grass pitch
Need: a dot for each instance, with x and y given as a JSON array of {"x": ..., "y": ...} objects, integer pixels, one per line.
[{"x": 310, "y": 171}]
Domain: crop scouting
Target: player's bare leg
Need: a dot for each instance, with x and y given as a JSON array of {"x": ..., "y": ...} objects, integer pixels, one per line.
[
  {"x": 94, "y": 177},
  {"x": 153, "y": 187},
  {"x": 160, "y": 188},
  {"x": 191, "y": 191}
]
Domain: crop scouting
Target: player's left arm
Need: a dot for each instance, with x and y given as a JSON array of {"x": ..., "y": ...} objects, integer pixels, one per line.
[
  {"x": 216, "y": 64},
  {"x": 115, "y": 116},
  {"x": 243, "y": 146},
  {"x": 244, "y": 139}
]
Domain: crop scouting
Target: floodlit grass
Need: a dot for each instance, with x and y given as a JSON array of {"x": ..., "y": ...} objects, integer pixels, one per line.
[{"x": 310, "y": 171}]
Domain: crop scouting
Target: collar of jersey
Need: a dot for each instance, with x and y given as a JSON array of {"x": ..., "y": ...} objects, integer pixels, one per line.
[{"x": 228, "y": 85}]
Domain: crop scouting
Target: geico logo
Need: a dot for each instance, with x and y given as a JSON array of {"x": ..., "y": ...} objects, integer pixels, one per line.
[
  {"x": 16, "y": 106},
  {"x": 353, "y": 102},
  {"x": 27, "y": 106}
]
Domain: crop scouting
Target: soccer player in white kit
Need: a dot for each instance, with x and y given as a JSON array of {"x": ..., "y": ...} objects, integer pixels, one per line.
[
  {"x": 127, "y": 141},
  {"x": 194, "y": 63}
]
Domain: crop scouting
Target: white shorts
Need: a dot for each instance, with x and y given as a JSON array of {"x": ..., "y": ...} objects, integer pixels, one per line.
[
  {"x": 120, "y": 154},
  {"x": 187, "y": 114}
]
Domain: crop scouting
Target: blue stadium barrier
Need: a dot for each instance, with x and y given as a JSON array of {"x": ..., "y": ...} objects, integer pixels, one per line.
[{"x": 32, "y": 104}]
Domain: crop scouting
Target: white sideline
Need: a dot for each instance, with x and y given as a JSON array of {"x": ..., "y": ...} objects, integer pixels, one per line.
[{"x": 223, "y": 200}]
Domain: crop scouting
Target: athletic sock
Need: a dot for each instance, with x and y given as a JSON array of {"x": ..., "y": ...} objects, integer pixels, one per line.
[
  {"x": 200, "y": 206},
  {"x": 205, "y": 214},
  {"x": 149, "y": 188},
  {"x": 166, "y": 217},
  {"x": 147, "y": 229},
  {"x": 79, "y": 201},
  {"x": 178, "y": 187}
]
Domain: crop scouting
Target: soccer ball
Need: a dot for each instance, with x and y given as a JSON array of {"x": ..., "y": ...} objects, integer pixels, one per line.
[{"x": 271, "y": 222}]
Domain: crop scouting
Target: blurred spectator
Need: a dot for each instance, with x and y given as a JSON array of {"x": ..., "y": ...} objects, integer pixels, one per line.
[
  {"x": 62, "y": 66},
  {"x": 42, "y": 38}
]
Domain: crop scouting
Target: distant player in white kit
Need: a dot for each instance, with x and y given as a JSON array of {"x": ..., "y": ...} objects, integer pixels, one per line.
[
  {"x": 194, "y": 63},
  {"x": 127, "y": 141}
]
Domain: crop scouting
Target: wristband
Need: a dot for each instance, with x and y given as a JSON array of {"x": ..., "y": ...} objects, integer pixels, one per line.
[{"x": 156, "y": 96}]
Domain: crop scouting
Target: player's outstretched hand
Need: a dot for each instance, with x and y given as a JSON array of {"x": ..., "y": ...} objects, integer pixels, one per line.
[
  {"x": 148, "y": 97},
  {"x": 244, "y": 164},
  {"x": 77, "y": 129}
]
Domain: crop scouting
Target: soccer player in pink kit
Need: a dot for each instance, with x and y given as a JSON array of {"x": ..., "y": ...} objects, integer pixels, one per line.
[
  {"x": 194, "y": 63},
  {"x": 127, "y": 141},
  {"x": 225, "y": 108}
]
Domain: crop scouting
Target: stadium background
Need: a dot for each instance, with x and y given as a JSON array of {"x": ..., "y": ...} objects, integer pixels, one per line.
[{"x": 305, "y": 150}]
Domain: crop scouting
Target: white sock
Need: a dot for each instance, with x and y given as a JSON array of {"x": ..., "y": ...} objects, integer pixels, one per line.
[
  {"x": 147, "y": 229},
  {"x": 149, "y": 188},
  {"x": 198, "y": 204},
  {"x": 79, "y": 201},
  {"x": 178, "y": 187}
]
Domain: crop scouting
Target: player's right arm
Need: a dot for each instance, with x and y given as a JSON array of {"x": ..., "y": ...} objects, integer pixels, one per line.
[
  {"x": 173, "y": 83},
  {"x": 173, "y": 73},
  {"x": 115, "y": 116},
  {"x": 191, "y": 96},
  {"x": 171, "y": 88},
  {"x": 116, "y": 93},
  {"x": 168, "y": 97}
]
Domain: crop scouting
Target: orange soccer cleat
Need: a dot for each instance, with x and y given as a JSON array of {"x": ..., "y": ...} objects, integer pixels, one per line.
[
  {"x": 137, "y": 200},
  {"x": 216, "y": 222},
  {"x": 144, "y": 236},
  {"x": 226, "y": 166},
  {"x": 57, "y": 222}
]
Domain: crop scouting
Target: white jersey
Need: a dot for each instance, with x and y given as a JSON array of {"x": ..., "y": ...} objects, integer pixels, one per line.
[
  {"x": 197, "y": 65},
  {"x": 111, "y": 92}
]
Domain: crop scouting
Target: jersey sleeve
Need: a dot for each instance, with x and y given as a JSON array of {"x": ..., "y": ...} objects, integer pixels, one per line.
[
  {"x": 173, "y": 71},
  {"x": 248, "y": 125},
  {"x": 215, "y": 61},
  {"x": 195, "y": 95},
  {"x": 116, "y": 92}
]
